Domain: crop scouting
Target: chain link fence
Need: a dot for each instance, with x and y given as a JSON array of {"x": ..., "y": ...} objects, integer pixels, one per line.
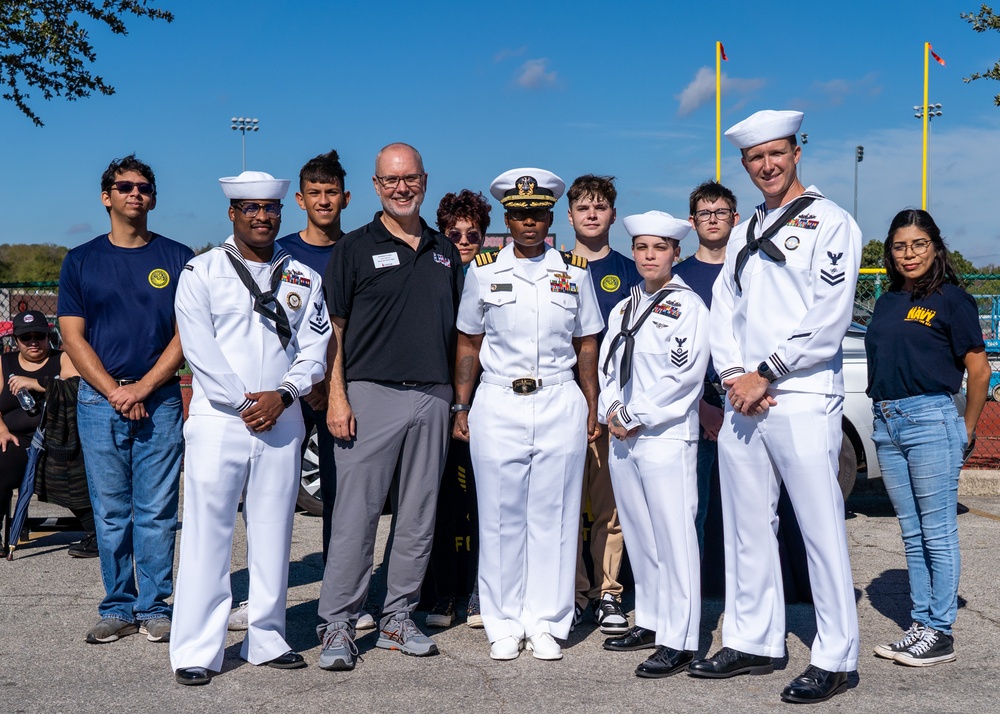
[{"x": 17, "y": 297}]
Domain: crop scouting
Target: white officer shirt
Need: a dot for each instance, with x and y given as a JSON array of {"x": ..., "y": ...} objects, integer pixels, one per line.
[
  {"x": 234, "y": 350},
  {"x": 795, "y": 314},
  {"x": 528, "y": 322},
  {"x": 668, "y": 364}
]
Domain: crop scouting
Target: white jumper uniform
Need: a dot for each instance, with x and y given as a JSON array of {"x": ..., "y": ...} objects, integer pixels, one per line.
[
  {"x": 528, "y": 450},
  {"x": 793, "y": 316},
  {"x": 655, "y": 471},
  {"x": 233, "y": 350}
]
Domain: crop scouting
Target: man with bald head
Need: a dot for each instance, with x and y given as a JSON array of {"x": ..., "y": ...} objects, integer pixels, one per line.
[{"x": 393, "y": 288}]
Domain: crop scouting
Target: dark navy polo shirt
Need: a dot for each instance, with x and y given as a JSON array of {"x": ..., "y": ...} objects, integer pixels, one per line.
[
  {"x": 315, "y": 256},
  {"x": 613, "y": 277},
  {"x": 400, "y": 304}
]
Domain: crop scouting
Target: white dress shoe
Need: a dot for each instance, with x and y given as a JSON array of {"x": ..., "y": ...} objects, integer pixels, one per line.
[
  {"x": 544, "y": 646},
  {"x": 506, "y": 648}
]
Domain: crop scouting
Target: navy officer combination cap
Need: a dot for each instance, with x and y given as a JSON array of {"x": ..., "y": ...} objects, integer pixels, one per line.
[{"x": 527, "y": 188}]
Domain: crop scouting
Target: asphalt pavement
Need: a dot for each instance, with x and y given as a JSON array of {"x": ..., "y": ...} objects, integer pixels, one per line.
[{"x": 48, "y": 601}]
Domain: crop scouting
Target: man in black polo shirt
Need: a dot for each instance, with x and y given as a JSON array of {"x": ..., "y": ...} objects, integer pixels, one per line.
[{"x": 393, "y": 288}]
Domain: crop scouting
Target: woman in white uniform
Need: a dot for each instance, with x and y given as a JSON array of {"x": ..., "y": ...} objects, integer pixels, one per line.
[{"x": 653, "y": 363}]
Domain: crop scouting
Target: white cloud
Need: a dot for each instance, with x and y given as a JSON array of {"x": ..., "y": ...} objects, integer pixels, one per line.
[
  {"x": 79, "y": 228},
  {"x": 701, "y": 90},
  {"x": 508, "y": 52},
  {"x": 533, "y": 75}
]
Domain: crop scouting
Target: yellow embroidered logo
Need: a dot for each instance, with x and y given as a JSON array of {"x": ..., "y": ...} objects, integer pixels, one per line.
[
  {"x": 610, "y": 283},
  {"x": 921, "y": 315},
  {"x": 159, "y": 278}
]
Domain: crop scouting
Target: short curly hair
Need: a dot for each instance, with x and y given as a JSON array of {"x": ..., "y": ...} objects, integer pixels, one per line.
[{"x": 465, "y": 205}]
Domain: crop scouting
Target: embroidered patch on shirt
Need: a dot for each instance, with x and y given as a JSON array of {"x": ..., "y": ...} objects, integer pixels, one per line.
[
  {"x": 832, "y": 277},
  {"x": 319, "y": 324},
  {"x": 679, "y": 356},
  {"x": 295, "y": 277},
  {"x": 501, "y": 287},
  {"x": 610, "y": 283},
  {"x": 563, "y": 286},
  {"x": 438, "y": 258},
  {"x": 668, "y": 308},
  {"x": 834, "y": 257},
  {"x": 922, "y": 315},
  {"x": 385, "y": 260}
]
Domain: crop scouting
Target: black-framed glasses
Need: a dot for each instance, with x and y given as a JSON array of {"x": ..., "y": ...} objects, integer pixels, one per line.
[
  {"x": 33, "y": 337},
  {"x": 252, "y": 208},
  {"x": 721, "y": 214},
  {"x": 523, "y": 214},
  {"x": 146, "y": 189},
  {"x": 455, "y": 236},
  {"x": 411, "y": 180},
  {"x": 917, "y": 247}
]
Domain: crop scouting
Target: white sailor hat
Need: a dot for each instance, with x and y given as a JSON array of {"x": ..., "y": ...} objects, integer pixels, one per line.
[
  {"x": 656, "y": 223},
  {"x": 527, "y": 188},
  {"x": 254, "y": 184},
  {"x": 764, "y": 126}
]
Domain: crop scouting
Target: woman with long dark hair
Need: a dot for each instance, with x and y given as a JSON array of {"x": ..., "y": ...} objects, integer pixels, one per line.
[{"x": 924, "y": 335}]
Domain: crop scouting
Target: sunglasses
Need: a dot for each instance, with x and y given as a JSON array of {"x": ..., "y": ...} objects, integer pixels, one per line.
[
  {"x": 455, "y": 236},
  {"x": 146, "y": 189},
  {"x": 33, "y": 337},
  {"x": 250, "y": 209}
]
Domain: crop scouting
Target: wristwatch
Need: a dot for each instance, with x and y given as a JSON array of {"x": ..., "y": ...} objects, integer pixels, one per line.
[
  {"x": 456, "y": 408},
  {"x": 286, "y": 397},
  {"x": 765, "y": 371}
]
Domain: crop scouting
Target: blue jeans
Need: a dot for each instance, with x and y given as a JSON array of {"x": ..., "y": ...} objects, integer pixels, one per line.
[
  {"x": 919, "y": 441},
  {"x": 133, "y": 473}
]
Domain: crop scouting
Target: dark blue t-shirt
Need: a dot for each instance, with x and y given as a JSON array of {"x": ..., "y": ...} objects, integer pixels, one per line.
[
  {"x": 315, "y": 256},
  {"x": 918, "y": 347},
  {"x": 700, "y": 277},
  {"x": 613, "y": 276},
  {"x": 126, "y": 297}
]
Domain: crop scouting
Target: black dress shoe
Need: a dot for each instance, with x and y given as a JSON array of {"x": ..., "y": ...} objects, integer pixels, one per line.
[
  {"x": 728, "y": 662},
  {"x": 637, "y": 638},
  {"x": 192, "y": 676},
  {"x": 814, "y": 685},
  {"x": 664, "y": 662},
  {"x": 289, "y": 660}
]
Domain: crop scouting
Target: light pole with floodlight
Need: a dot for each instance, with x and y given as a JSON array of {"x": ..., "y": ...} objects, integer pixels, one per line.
[{"x": 243, "y": 125}]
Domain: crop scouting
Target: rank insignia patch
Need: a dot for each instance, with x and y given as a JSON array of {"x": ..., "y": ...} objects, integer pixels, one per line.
[
  {"x": 320, "y": 324},
  {"x": 679, "y": 356},
  {"x": 440, "y": 259},
  {"x": 294, "y": 300},
  {"x": 563, "y": 286},
  {"x": 610, "y": 283},
  {"x": 834, "y": 257},
  {"x": 832, "y": 277},
  {"x": 792, "y": 242},
  {"x": 668, "y": 308},
  {"x": 295, "y": 277},
  {"x": 501, "y": 287}
]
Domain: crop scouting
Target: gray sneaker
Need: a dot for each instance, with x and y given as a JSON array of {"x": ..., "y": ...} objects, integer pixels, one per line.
[
  {"x": 339, "y": 650},
  {"x": 238, "y": 618},
  {"x": 155, "y": 630},
  {"x": 365, "y": 622},
  {"x": 400, "y": 633},
  {"x": 109, "y": 629}
]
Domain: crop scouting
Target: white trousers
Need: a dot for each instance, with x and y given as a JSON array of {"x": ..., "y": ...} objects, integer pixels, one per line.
[
  {"x": 796, "y": 442},
  {"x": 528, "y": 453},
  {"x": 222, "y": 459},
  {"x": 656, "y": 489}
]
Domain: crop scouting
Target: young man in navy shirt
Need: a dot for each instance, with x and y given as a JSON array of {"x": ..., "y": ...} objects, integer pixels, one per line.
[
  {"x": 713, "y": 215},
  {"x": 116, "y": 314},
  {"x": 591, "y": 214}
]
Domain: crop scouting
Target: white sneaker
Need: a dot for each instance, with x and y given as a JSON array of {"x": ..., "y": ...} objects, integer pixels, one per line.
[
  {"x": 544, "y": 646},
  {"x": 238, "y": 618},
  {"x": 365, "y": 622},
  {"x": 506, "y": 648}
]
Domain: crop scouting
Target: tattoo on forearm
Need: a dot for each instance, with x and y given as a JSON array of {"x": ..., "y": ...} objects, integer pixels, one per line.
[{"x": 465, "y": 370}]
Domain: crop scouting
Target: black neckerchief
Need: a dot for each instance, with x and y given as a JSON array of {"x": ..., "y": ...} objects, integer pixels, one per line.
[
  {"x": 764, "y": 242},
  {"x": 265, "y": 304},
  {"x": 628, "y": 333}
]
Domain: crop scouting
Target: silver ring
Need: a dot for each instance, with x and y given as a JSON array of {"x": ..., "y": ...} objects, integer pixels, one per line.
[{"x": 261, "y": 420}]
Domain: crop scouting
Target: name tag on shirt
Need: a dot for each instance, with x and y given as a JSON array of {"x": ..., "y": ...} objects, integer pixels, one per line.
[{"x": 385, "y": 260}]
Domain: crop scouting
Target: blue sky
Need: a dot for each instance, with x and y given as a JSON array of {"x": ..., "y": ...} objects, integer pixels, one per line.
[{"x": 620, "y": 88}]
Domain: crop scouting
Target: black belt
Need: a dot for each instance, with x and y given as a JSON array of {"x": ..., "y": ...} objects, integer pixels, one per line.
[
  {"x": 714, "y": 388},
  {"x": 125, "y": 382}
]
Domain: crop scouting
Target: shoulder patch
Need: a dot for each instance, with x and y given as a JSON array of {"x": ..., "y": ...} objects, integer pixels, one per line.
[
  {"x": 573, "y": 259},
  {"x": 486, "y": 258}
]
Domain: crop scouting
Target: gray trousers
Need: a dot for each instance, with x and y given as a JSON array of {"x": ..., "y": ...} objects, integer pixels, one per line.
[{"x": 396, "y": 425}]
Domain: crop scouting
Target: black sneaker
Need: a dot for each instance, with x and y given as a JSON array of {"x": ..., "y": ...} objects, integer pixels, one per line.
[
  {"x": 609, "y": 615},
  {"x": 911, "y": 636},
  {"x": 933, "y": 647},
  {"x": 86, "y": 548},
  {"x": 443, "y": 613}
]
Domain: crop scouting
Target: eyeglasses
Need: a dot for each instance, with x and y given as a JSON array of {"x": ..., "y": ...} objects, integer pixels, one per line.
[
  {"x": 721, "y": 214},
  {"x": 146, "y": 189},
  {"x": 33, "y": 337},
  {"x": 411, "y": 180},
  {"x": 455, "y": 236},
  {"x": 251, "y": 209},
  {"x": 918, "y": 247},
  {"x": 523, "y": 214}
]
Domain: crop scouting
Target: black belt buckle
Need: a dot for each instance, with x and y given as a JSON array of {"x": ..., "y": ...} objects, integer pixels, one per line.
[
  {"x": 524, "y": 385},
  {"x": 125, "y": 382}
]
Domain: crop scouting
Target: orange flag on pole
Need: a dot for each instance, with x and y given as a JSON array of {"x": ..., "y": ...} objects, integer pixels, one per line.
[
  {"x": 722, "y": 51},
  {"x": 936, "y": 56}
]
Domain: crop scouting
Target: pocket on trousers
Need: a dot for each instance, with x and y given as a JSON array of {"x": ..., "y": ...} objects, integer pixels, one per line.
[{"x": 931, "y": 416}]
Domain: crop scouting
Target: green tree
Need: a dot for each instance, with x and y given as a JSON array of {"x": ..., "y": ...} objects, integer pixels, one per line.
[
  {"x": 30, "y": 263},
  {"x": 872, "y": 253},
  {"x": 961, "y": 265},
  {"x": 44, "y": 45},
  {"x": 982, "y": 21}
]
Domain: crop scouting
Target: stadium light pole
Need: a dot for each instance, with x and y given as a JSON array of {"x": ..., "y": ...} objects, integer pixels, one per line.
[
  {"x": 243, "y": 125},
  {"x": 859, "y": 156}
]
